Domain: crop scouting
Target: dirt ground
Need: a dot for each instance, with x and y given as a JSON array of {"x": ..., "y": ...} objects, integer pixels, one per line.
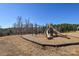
[{"x": 17, "y": 46}]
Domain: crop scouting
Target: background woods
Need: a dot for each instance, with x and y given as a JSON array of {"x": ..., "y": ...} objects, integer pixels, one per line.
[{"x": 27, "y": 27}]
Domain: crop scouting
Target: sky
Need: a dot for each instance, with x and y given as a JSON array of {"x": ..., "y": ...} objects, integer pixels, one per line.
[{"x": 42, "y": 13}]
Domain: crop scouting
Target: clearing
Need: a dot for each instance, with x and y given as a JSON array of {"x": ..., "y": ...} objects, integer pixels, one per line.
[{"x": 15, "y": 45}]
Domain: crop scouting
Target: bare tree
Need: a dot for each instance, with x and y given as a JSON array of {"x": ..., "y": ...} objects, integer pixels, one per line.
[
  {"x": 14, "y": 28},
  {"x": 19, "y": 24},
  {"x": 27, "y": 25},
  {"x": 36, "y": 29},
  {"x": 31, "y": 28}
]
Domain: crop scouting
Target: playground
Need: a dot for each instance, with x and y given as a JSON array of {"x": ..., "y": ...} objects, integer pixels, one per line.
[{"x": 56, "y": 41}]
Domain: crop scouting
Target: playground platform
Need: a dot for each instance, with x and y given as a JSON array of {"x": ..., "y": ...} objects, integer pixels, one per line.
[{"x": 55, "y": 42}]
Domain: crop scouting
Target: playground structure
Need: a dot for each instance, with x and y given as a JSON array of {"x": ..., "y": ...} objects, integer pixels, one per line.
[{"x": 51, "y": 32}]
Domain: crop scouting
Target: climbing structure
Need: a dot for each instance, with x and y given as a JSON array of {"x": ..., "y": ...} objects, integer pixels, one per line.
[{"x": 51, "y": 32}]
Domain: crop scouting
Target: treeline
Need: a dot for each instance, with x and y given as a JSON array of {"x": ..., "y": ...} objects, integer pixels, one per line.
[
  {"x": 66, "y": 27},
  {"x": 21, "y": 27},
  {"x": 27, "y": 27}
]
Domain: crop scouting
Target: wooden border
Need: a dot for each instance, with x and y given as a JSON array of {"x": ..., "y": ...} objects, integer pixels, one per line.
[{"x": 52, "y": 45}]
